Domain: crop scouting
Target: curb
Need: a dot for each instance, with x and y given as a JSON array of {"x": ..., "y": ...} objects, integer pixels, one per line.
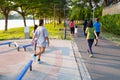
[{"x": 84, "y": 74}]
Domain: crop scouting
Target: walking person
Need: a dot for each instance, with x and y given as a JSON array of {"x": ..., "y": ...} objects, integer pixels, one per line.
[
  {"x": 76, "y": 31},
  {"x": 84, "y": 27},
  {"x": 33, "y": 42},
  {"x": 42, "y": 36},
  {"x": 91, "y": 34},
  {"x": 97, "y": 29},
  {"x": 72, "y": 25}
]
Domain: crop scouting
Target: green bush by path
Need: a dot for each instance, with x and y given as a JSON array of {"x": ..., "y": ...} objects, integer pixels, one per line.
[
  {"x": 111, "y": 37},
  {"x": 111, "y": 23}
]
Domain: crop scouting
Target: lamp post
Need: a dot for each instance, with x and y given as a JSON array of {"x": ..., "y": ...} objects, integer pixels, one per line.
[
  {"x": 93, "y": 12},
  {"x": 94, "y": 6},
  {"x": 64, "y": 22}
]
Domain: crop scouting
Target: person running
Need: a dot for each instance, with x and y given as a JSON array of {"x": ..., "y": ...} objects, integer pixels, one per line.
[
  {"x": 34, "y": 42},
  {"x": 97, "y": 29},
  {"x": 84, "y": 27},
  {"x": 90, "y": 31},
  {"x": 42, "y": 36}
]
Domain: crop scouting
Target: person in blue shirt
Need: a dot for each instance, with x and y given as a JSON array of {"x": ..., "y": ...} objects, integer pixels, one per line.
[{"x": 97, "y": 30}]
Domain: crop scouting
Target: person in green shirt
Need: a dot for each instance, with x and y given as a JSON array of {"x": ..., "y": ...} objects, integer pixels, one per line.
[{"x": 91, "y": 34}]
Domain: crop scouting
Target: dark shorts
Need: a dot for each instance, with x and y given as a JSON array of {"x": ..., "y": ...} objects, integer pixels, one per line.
[
  {"x": 98, "y": 33},
  {"x": 72, "y": 30}
]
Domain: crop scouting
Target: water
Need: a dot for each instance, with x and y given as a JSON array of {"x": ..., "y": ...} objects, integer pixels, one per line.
[{"x": 16, "y": 23}]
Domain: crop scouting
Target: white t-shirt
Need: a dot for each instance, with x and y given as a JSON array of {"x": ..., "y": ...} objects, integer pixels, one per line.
[
  {"x": 41, "y": 33},
  {"x": 76, "y": 30}
]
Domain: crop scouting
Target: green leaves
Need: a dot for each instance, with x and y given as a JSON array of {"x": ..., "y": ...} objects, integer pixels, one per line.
[{"x": 111, "y": 23}]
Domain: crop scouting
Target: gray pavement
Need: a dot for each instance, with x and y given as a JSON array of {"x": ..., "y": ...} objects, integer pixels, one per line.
[
  {"x": 63, "y": 60},
  {"x": 106, "y": 63},
  {"x": 58, "y": 62}
]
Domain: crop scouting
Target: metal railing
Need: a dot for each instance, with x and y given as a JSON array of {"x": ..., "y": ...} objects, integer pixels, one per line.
[
  {"x": 9, "y": 43},
  {"x": 22, "y": 73}
]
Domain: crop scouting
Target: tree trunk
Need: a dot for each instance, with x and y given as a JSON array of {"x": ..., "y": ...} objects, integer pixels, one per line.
[
  {"x": 90, "y": 2},
  {"x": 6, "y": 21},
  {"x": 59, "y": 20},
  {"x": 105, "y": 3},
  {"x": 54, "y": 15},
  {"x": 33, "y": 19},
  {"x": 24, "y": 20}
]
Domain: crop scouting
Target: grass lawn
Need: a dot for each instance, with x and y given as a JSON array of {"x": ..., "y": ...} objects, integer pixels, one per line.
[
  {"x": 13, "y": 33},
  {"x": 54, "y": 32},
  {"x": 111, "y": 37},
  {"x": 18, "y": 33}
]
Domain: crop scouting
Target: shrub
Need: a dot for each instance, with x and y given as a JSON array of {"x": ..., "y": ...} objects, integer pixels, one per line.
[{"x": 111, "y": 23}]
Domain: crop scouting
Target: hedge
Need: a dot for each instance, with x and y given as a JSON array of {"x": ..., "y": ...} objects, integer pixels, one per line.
[{"x": 111, "y": 23}]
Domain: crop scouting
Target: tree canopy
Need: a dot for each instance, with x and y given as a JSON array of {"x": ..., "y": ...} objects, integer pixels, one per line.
[
  {"x": 83, "y": 9},
  {"x": 75, "y": 9},
  {"x": 36, "y": 8}
]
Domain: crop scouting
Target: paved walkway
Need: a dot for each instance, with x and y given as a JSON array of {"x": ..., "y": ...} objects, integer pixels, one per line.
[
  {"x": 105, "y": 65},
  {"x": 63, "y": 60},
  {"x": 58, "y": 62}
]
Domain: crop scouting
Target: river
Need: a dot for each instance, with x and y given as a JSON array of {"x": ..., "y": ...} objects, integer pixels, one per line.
[{"x": 16, "y": 23}]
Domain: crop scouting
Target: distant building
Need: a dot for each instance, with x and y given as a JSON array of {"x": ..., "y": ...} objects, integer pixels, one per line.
[
  {"x": 110, "y": 2},
  {"x": 111, "y": 7}
]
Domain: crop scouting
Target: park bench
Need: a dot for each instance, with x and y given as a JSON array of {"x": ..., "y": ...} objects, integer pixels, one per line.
[
  {"x": 22, "y": 73},
  {"x": 5, "y": 43}
]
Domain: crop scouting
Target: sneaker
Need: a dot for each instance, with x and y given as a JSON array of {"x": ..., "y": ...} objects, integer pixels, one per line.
[
  {"x": 34, "y": 58},
  {"x": 95, "y": 44},
  {"x": 38, "y": 62},
  {"x": 88, "y": 50},
  {"x": 91, "y": 55}
]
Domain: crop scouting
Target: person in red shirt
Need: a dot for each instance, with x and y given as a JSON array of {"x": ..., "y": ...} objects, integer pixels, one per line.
[{"x": 72, "y": 25}]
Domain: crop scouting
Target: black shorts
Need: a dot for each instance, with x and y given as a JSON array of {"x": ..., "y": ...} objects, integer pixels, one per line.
[{"x": 98, "y": 33}]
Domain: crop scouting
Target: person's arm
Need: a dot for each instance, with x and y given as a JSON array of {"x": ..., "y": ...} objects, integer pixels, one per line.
[
  {"x": 48, "y": 40},
  {"x": 100, "y": 27},
  {"x": 34, "y": 35},
  {"x": 86, "y": 31},
  {"x": 46, "y": 36},
  {"x": 95, "y": 34}
]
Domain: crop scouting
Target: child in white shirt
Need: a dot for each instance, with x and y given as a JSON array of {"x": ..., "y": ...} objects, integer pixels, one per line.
[{"x": 76, "y": 31}]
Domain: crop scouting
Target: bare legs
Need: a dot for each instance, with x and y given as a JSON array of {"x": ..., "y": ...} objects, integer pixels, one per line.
[
  {"x": 96, "y": 42},
  {"x": 42, "y": 50},
  {"x": 35, "y": 48}
]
